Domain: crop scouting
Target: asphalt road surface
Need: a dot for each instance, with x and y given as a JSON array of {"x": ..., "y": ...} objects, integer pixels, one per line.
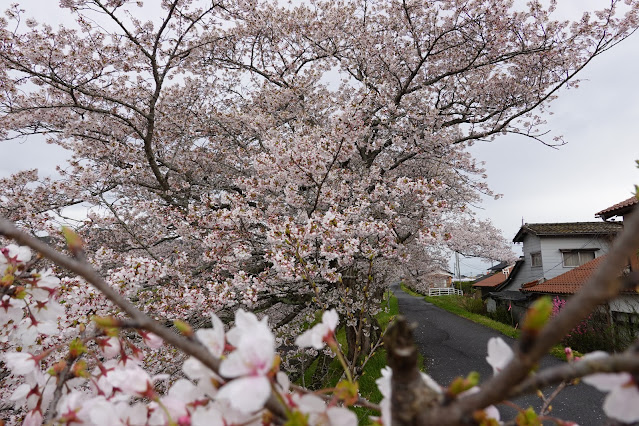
[{"x": 453, "y": 346}]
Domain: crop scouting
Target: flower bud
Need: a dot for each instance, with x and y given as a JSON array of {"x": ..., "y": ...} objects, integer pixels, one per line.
[
  {"x": 461, "y": 384},
  {"x": 80, "y": 369},
  {"x": 106, "y": 322},
  {"x": 7, "y": 280},
  {"x": 76, "y": 348},
  {"x": 347, "y": 392},
  {"x": 527, "y": 417},
  {"x": 74, "y": 242},
  {"x": 537, "y": 315},
  {"x": 183, "y": 327}
]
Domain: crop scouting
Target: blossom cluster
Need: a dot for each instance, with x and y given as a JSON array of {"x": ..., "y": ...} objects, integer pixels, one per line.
[{"x": 103, "y": 380}]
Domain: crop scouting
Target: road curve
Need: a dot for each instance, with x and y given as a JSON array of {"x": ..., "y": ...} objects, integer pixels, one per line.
[{"x": 453, "y": 346}]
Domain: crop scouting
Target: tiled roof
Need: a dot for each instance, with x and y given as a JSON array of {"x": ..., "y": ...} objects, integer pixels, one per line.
[
  {"x": 499, "y": 266},
  {"x": 618, "y": 209},
  {"x": 494, "y": 280},
  {"x": 566, "y": 283},
  {"x": 567, "y": 229}
]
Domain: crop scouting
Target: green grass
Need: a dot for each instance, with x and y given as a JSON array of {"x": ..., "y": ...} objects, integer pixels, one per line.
[{"x": 452, "y": 305}]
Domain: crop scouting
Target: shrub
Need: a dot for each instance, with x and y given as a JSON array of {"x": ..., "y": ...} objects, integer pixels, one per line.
[
  {"x": 503, "y": 315},
  {"x": 473, "y": 305},
  {"x": 598, "y": 332}
]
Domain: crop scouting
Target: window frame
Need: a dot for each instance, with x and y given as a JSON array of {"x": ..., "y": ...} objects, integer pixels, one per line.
[
  {"x": 537, "y": 255},
  {"x": 579, "y": 252}
]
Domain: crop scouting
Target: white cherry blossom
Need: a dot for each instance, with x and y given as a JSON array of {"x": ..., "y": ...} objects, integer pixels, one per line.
[
  {"x": 319, "y": 333},
  {"x": 213, "y": 338},
  {"x": 20, "y": 363},
  {"x": 499, "y": 354},
  {"x": 249, "y": 363},
  {"x": 622, "y": 401},
  {"x": 320, "y": 414}
]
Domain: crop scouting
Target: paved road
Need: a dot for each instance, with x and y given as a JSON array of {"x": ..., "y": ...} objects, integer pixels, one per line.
[{"x": 453, "y": 346}]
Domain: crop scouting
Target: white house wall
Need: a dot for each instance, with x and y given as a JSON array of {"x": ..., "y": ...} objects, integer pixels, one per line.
[
  {"x": 625, "y": 303},
  {"x": 526, "y": 273},
  {"x": 552, "y": 258}
]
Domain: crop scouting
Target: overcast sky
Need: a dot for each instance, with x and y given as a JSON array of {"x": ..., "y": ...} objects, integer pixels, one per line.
[{"x": 595, "y": 169}]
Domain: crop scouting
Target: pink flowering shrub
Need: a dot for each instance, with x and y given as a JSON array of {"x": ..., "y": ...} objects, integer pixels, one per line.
[
  {"x": 596, "y": 332},
  {"x": 582, "y": 328}
]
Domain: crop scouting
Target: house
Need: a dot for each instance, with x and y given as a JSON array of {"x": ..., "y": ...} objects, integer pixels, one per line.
[
  {"x": 619, "y": 209},
  {"x": 569, "y": 282},
  {"x": 491, "y": 290},
  {"x": 493, "y": 280},
  {"x": 551, "y": 249},
  {"x": 436, "y": 277}
]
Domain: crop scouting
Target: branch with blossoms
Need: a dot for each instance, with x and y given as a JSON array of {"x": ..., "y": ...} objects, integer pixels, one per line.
[
  {"x": 188, "y": 346},
  {"x": 238, "y": 371},
  {"x": 238, "y": 378}
]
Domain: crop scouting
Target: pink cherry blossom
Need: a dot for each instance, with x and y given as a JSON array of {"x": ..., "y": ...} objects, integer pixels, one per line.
[
  {"x": 131, "y": 379},
  {"x": 33, "y": 418},
  {"x": 153, "y": 341},
  {"x": 207, "y": 416}
]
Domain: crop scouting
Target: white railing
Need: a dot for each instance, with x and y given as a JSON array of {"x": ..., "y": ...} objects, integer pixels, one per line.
[{"x": 444, "y": 291}]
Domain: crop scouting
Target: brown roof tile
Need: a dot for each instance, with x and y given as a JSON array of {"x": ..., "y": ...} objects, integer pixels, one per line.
[
  {"x": 566, "y": 229},
  {"x": 494, "y": 280},
  {"x": 566, "y": 283},
  {"x": 618, "y": 209},
  {"x": 569, "y": 282}
]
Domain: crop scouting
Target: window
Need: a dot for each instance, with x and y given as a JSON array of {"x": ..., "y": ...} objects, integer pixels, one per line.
[
  {"x": 535, "y": 259},
  {"x": 574, "y": 258}
]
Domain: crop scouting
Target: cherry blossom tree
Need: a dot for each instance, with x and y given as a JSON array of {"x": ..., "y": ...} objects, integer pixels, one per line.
[{"x": 247, "y": 153}]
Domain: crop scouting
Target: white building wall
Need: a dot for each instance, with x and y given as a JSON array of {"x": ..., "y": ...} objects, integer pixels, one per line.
[
  {"x": 552, "y": 258},
  {"x": 526, "y": 272},
  {"x": 625, "y": 303}
]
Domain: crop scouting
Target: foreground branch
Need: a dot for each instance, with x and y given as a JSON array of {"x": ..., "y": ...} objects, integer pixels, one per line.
[
  {"x": 410, "y": 397},
  {"x": 625, "y": 362}
]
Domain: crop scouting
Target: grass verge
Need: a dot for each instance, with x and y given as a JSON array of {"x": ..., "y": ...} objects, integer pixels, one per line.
[{"x": 449, "y": 304}]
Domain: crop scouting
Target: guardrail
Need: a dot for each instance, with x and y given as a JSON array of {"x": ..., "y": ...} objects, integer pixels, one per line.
[{"x": 444, "y": 291}]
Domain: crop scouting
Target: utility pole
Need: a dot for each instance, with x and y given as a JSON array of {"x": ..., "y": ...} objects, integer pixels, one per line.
[{"x": 457, "y": 271}]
